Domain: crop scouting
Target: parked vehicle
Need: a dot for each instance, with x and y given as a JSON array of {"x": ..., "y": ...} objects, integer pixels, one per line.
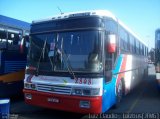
[{"x": 82, "y": 62}]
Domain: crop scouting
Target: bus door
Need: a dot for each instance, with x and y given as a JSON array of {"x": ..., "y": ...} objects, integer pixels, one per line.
[{"x": 109, "y": 81}]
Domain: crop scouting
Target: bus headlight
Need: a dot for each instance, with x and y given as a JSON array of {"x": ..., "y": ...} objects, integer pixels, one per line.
[
  {"x": 77, "y": 91},
  {"x": 26, "y": 85},
  {"x": 86, "y": 92},
  {"x": 33, "y": 86},
  {"x": 91, "y": 92},
  {"x": 30, "y": 86}
]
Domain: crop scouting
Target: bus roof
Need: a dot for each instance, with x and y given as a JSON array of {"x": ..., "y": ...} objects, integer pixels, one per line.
[
  {"x": 102, "y": 13},
  {"x": 79, "y": 14},
  {"x": 14, "y": 23}
]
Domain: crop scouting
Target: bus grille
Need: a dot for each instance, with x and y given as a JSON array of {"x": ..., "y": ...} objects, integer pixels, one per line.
[{"x": 58, "y": 89}]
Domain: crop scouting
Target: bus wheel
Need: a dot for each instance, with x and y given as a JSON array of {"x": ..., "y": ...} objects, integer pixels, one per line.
[
  {"x": 119, "y": 94},
  {"x": 119, "y": 91}
]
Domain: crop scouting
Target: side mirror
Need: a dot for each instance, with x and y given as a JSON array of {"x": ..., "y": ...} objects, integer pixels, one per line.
[{"x": 111, "y": 44}]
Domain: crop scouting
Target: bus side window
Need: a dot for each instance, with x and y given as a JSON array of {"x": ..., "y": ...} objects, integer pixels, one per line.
[
  {"x": 108, "y": 63},
  {"x": 108, "y": 68}
]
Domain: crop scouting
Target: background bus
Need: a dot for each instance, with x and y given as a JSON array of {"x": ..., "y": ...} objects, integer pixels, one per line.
[
  {"x": 13, "y": 34},
  {"x": 82, "y": 62},
  {"x": 157, "y": 56}
]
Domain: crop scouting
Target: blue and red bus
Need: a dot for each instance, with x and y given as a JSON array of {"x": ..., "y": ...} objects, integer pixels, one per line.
[
  {"x": 82, "y": 62},
  {"x": 13, "y": 56}
]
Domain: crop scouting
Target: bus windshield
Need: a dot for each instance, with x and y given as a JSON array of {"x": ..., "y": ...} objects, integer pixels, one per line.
[{"x": 77, "y": 51}]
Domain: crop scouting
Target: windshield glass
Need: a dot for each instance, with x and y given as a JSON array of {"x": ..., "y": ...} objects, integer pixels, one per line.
[{"x": 78, "y": 51}]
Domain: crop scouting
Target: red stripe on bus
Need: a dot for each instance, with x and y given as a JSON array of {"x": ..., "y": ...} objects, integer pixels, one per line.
[
  {"x": 123, "y": 67},
  {"x": 65, "y": 102}
]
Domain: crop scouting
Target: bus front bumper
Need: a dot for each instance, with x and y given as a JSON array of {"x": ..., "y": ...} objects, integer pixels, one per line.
[{"x": 78, "y": 104}]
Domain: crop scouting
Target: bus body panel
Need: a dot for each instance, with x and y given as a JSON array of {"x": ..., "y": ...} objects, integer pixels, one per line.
[
  {"x": 11, "y": 83},
  {"x": 125, "y": 70},
  {"x": 64, "y": 81},
  {"x": 12, "y": 61},
  {"x": 109, "y": 95},
  {"x": 118, "y": 74},
  {"x": 48, "y": 87},
  {"x": 108, "y": 98},
  {"x": 12, "y": 72},
  {"x": 65, "y": 102}
]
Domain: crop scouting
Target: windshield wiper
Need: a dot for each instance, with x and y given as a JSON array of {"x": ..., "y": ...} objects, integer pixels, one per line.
[
  {"x": 42, "y": 55},
  {"x": 65, "y": 58},
  {"x": 67, "y": 62}
]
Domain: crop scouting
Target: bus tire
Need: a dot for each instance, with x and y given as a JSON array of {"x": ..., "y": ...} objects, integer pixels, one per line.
[{"x": 119, "y": 93}]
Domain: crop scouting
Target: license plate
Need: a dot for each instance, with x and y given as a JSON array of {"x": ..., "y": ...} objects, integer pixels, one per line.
[{"x": 54, "y": 100}]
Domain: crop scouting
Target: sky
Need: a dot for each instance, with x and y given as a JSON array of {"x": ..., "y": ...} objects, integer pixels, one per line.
[{"x": 141, "y": 16}]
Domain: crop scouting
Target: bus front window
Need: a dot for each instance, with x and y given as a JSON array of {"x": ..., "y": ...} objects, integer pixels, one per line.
[{"x": 78, "y": 51}]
